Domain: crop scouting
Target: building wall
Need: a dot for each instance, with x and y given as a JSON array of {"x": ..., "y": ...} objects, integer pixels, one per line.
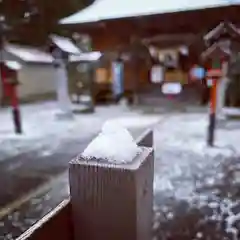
[
  {"x": 133, "y": 75},
  {"x": 36, "y": 81}
]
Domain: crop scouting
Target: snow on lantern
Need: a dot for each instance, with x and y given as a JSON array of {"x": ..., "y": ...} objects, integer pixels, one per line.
[{"x": 11, "y": 68}]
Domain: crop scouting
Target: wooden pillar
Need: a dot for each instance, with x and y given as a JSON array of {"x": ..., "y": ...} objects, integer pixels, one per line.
[
  {"x": 112, "y": 202},
  {"x": 215, "y": 74}
]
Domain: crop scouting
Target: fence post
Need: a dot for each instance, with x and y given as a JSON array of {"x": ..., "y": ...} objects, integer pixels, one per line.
[
  {"x": 146, "y": 138},
  {"x": 112, "y": 201}
]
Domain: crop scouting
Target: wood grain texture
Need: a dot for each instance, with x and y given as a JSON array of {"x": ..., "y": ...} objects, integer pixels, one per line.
[
  {"x": 58, "y": 223},
  {"x": 112, "y": 202},
  {"x": 55, "y": 225}
]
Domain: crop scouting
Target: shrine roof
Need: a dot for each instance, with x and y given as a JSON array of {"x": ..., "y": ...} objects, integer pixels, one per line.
[
  {"x": 27, "y": 54},
  {"x": 102, "y": 10},
  {"x": 65, "y": 44},
  {"x": 86, "y": 57},
  {"x": 15, "y": 66}
]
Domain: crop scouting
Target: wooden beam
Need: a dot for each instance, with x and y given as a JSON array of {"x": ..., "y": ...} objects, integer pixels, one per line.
[
  {"x": 226, "y": 29},
  {"x": 215, "y": 51},
  {"x": 192, "y": 21}
]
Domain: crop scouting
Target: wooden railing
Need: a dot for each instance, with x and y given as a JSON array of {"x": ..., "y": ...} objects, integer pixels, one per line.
[{"x": 55, "y": 225}]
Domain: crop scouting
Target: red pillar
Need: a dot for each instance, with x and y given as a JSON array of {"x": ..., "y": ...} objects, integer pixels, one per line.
[
  {"x": 15, "y": 109},
  {"x": 215, "y": 74},
  {"x": 213, "y": 102},
  {"x": 10, "y": 90}
]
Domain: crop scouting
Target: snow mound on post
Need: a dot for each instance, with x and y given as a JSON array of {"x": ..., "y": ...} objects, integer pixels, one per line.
[{"x": 114, "y": 144}]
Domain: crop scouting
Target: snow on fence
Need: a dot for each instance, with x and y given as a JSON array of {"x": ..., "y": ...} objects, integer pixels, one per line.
[
  {"x": 111, "y": 188},
  {"x": 119, "y": 208}
]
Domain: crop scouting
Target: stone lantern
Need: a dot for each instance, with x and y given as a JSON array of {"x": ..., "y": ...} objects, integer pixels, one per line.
[{"x": 61, "y": 48}]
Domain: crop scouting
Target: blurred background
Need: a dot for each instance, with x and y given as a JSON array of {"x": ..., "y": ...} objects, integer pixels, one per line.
[{"x": 67, "y": 67}]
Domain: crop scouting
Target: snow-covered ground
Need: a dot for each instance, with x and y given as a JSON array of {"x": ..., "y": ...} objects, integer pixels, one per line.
[
  {"x": 187, "y": 170},
  {"x": 232, "y": 112},
  {"x": 43, "y": 130}
]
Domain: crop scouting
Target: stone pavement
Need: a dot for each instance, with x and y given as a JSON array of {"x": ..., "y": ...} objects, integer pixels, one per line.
[
  {"x": 197, "y": 189},
  {"x": 34, "y": 208}
]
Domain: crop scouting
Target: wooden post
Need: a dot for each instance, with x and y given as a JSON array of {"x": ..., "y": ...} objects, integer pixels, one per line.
[
  {"x": 112, "y": 202},
  {"x": 92, "y": 69},
  {"x": 16, "y": 116},
  {"x": 15, "y": 110},
  {"x": 212, "y": 115},
  {"x": 215, "y": 74}
]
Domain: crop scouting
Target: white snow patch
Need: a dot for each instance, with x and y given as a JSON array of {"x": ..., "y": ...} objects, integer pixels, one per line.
[
  {"x": 170, "y": 215},
  {"x": 232, "y": 219},
  {"x": 183, "y": 156},
  {"x": 156, "y": 225},
  {"x": 114, "y": 144},
  {"x": 41, "y": 129},
  {"x": 231, "y": 111},
  {"x": 199, "y": 235},
  {"x": 236, "y": 177},
  {"x": 184, "y": 163},
  {"x": 213, "y": 205},
  {"x": 226, "y": 208}
]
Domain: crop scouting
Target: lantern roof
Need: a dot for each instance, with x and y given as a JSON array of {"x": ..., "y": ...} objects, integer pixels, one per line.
[
  {"x": 225, "y": 30},
  {"x": 13, "y": 65},
  {"x": 14, "y": 52},
  {"x": 216, "y": 51}
]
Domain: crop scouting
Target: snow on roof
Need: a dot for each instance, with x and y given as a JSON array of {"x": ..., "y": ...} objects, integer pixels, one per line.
[
  {"x": 65, "y": 44},
  {"x": 108, "y": 9},
  {"x": 29, "y": 54},
  {"x": 13, "y": 65},
  {"x": 123, "y": 147},
  {"x": 86, "y": 57}
]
